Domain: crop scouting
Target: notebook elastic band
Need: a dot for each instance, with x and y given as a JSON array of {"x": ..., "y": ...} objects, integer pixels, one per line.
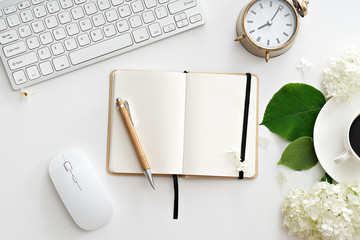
[
  {"x": 245, "y": 121},
  {"x": 176, "y": 197}
]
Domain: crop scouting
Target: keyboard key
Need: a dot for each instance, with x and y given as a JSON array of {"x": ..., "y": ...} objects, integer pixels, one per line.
[
  {"x": 39, "y": 11},
  {"x": 51, "y": 22},
  {"x": 100, "y": 49},
  {"x": 83, "y": 39},
  {"x": 46, "y": 68},
  {"x": 59, "y": 33},
  {"x": 80, "y": 1},
  {"x": 96, "y": 35},
  {"x": 135, "y": 21},
  {"x": 148, "y": 17},
  {"x": 169, "y": 28},
  {"x": 70, "y": 44},
  {"x": 98, "y": 20},
  {"x": 46, "y": 38},
  {"x": 53, "y": 7},
  {"x": 124, "y": 11},
  {"x": 32, "y": 42},
  {"x": 8, "y": 36},
  {"x": 57, "y": 48},
  {"x": 72, "y": 29},
  {"x": 44, "y": 53},
  {"x": 195, "y": 18},
  {"x": 1, "y": 13},
  {"x": 10, "y": 9},
  {"x": 117, "y": 2},
  {"x": 155, "y": 29},
  {"x": 38, "y": 26},
  {"x": 66, "y": 4},
  {"x": 23, "y": 5},
  {"x": 182, "y": 23},
  {"x": 61, "y": 63},
  {"x": 22, "y": 61},
  {"x": 140, "y": 35},
  {"x": 111, "y": 15},
  {"x": 2, "y": 25},
  {"x": 103, "y": 4},
  {"x": 181, "y": 5},
  {"x": 137, "y": 6},
  {"x": 90, "y": 8},
  {"x": 33, "y": 72},
  {"x": 85, "y": 24},
  {"x": 64, "y": 17},
  {"x": 13, "y": 20},
  {"x": 37, "y": 1},
  {"x": 179, "y": 17},
  {"x": 24, "y": 31},
  {"x": 19, "y": 77},
  {"x": 150, "y": 3},
  {"x": 14, "y": 49},
  {"x": 122, "y": 26},
  {"x": 26, "y": 16},
  {"x": 163, "y": 1},
  {"x": 109, "y": 30},
  {"x": 161, "y": 12},
  {"x": 77, "y": 13}
]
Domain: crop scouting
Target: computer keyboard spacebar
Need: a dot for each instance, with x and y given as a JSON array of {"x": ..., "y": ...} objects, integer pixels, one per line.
[{"x": 100, "y": 49}]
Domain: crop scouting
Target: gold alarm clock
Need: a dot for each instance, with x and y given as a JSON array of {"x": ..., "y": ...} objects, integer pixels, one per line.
[{"x": 267, "y": 28}]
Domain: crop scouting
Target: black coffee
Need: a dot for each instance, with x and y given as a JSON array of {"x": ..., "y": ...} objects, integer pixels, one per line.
[{"x": 354, "y": 135}]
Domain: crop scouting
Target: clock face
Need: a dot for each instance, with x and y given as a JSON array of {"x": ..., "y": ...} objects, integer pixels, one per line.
[{"x": 270, "y": 23}]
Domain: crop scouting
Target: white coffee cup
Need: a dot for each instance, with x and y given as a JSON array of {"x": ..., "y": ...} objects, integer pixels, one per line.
[{"x": 349, "y": 152}]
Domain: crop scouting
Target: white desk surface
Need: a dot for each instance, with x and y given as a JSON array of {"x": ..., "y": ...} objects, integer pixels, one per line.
[{"x": 71, "y": 111}]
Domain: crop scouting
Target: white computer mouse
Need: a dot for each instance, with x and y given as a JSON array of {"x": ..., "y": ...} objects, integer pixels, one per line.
[{"x": 80, "y": 189}]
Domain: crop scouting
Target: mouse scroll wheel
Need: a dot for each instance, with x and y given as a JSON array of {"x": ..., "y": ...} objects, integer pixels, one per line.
[{"x": 67, "y": 166}]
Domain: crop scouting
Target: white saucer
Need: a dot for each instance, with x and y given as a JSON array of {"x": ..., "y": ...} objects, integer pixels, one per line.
[{"x": 328, "y": 138}]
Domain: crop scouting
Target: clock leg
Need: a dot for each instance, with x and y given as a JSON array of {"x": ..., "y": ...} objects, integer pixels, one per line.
[{"x": 267, "y": 56}]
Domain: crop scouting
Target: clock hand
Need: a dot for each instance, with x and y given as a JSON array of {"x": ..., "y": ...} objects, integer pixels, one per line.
[
  {"x": 279, "y": 9},
  {"x": 266, "y": 24}
]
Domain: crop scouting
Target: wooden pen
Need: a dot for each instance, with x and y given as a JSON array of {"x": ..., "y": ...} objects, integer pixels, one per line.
[{"x": 122, "y": 106}]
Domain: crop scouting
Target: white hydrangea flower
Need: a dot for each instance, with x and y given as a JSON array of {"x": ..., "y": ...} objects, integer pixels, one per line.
[
  {"x": 341, "y": 79},
  {"x": 240, "y": 166},
  {"x": 325, "y": 212},
  {"x": 304, "y": 65}
]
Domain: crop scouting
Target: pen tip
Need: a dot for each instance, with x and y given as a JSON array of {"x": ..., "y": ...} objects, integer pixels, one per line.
[{"x": 149, "y": 177}]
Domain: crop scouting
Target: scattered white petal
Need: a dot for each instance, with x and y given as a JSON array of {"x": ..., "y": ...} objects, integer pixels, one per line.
[
  {"x": 25, "y": 94},
  {"x": 281, "y": 179},
  {"x": 235, "y": 150},
  {"x": 304, "y": 65},
  {"x": 240, "y": 166},
  {"x": 264, "y": 141},
  {"x": 341, "y": 79}
]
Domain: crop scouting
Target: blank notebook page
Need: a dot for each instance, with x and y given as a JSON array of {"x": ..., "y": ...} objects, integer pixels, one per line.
[
  {"x": 213, "y": 123},
  {"x": 157, "y": 104}
]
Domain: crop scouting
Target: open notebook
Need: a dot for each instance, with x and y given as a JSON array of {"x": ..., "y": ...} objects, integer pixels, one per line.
[{"x": 186, "y": 122}]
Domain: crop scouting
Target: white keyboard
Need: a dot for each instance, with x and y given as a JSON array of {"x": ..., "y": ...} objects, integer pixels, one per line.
[{"x": 41, "y": 39}]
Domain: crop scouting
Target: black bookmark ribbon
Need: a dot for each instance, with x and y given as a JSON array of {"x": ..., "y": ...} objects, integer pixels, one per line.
[
  {"x": 245, "y": 122},
  {"x": 176, "y": 197}
]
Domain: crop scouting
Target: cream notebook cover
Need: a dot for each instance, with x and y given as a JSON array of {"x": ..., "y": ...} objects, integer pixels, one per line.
[{"x": 186, "y": 122}]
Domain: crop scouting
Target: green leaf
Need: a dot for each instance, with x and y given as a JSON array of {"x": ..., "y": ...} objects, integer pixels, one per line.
[
  {"x": 327, "y": 178},
  {"x": 292, "y": 111},
  {"x": 299, "y": 155}
]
